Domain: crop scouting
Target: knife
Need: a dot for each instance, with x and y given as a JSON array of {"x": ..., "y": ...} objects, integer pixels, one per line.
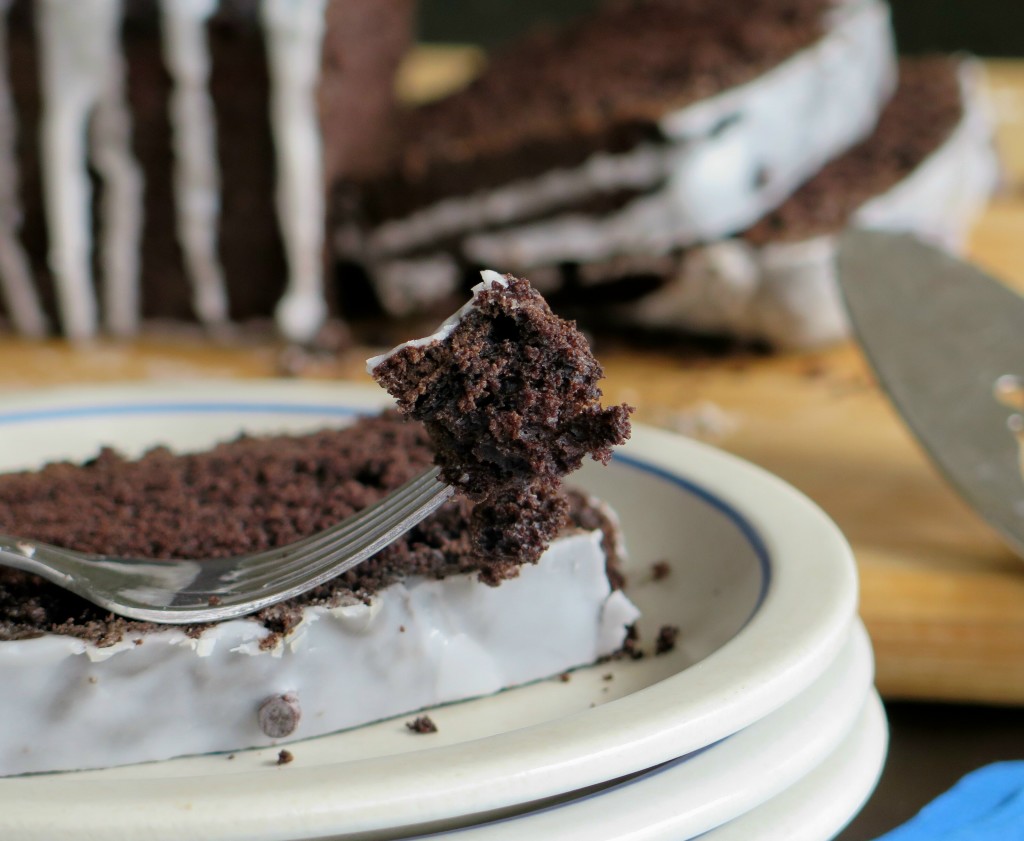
[{"x": 947, "y": 344}]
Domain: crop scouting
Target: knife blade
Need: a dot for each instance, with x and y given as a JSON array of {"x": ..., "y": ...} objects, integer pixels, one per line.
[{"x": 940, "y": 335}]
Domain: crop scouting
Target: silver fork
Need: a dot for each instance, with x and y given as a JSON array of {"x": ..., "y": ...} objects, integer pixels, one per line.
[{"x": 184, "y": 592}]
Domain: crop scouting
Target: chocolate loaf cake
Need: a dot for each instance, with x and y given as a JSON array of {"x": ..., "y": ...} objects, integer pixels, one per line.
[
  {"x": 646, "y": 127},
  {"x": 171, "y": 158},
  {"x": 508, "y": 394},
  {"x": 207, "y": 688}
]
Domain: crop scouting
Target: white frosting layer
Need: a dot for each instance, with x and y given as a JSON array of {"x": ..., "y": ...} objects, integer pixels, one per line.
[
  {"x": 729, "y": 160},
  {"x": 642, "y": 168},
  {"x": 20, "y": 298},
  {"x": 121, "y": 201},
  {"x": 295, "y": 30},
  {"x": 79, "y": 65},
  {"x": 787, "y": 293},
  {"x": 196, "y": 173},
  {"x": 68, "y": 704}
]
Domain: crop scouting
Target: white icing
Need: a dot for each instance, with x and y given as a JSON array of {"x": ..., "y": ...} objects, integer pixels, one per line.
[
  {"x": 121, "y": 209},
  {"x": 641, "y": 168},
  {"x": 79, "y": 706},
  {"x": 86, "y": 117},
  {"x": 788, "y": 293},
  {"x": 488, "y": 279},
  {"x": 78, "y": 50},
  {"x": 196, "y": 175},
  {"x": 732, "y": 158},
  {"x": 294, "y": 34},
  {"x": 16, "y": 284}
]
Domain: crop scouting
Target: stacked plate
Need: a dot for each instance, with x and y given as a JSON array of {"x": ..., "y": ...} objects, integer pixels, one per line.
[{"x": 761, "y": 722}]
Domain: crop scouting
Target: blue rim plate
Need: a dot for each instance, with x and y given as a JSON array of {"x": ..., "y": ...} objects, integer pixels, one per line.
[{"x": 762, "y": 588}]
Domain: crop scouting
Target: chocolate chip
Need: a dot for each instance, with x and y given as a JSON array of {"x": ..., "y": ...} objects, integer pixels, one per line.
[{"x": 279, "y": 715}]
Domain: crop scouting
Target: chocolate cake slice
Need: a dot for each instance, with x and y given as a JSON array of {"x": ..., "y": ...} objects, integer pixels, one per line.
[
  {"x": 508, "y": 393},
  {"x": 647, "y": 126},
  {"x": 928, "y": 169},
  {"x": 411, "y": 628}
]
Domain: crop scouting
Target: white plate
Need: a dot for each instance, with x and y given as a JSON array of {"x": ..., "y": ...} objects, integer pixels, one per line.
[
  {"x": 763, "y": 589},
  {"x": 695, "y": 793},
  {"x": 826, "y": 800}
]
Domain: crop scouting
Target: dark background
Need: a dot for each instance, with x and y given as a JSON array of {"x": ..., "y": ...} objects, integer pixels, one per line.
[{"x": 986, "y": 27}]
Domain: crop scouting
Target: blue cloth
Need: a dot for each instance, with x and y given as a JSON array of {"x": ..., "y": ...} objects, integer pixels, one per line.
[{"x": 986, "y": 805}]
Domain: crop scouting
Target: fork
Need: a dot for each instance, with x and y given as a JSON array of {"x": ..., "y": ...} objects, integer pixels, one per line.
[{"x": 182, "y": 592}]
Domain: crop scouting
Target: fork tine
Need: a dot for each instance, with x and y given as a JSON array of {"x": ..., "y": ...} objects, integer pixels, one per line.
[
  {"x": 413, "y": 493},
  {"x": 321, "y": 561},
  {"x": 326, "y": 565},
  {"x": 182, "y": 592}
]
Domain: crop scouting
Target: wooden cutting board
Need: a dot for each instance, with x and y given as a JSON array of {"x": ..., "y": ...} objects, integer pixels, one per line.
[{"x": 941, "y": 596}]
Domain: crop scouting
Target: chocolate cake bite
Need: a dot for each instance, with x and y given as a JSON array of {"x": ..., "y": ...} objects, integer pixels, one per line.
[{"x": 508, "y": 394}]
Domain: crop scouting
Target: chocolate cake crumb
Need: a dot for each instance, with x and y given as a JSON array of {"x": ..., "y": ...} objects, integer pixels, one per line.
[
  {"x": 565, "y": 677},
  {"x": 666, "y": 641},
  {"x": 660, "y": 570},
  {"x": 510, "y": 400},
  {"x": 631, "y": 645},
  {"x": 284, "y": 757},
  {"x": 279, "y": 715},
  {"x": 214, "y": 601},
  {"x": 421, "y": 724},
  {"x": 608, "y": 676}
]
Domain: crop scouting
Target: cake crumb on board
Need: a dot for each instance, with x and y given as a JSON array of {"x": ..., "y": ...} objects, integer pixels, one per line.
[{"x": 421, "y": 724}]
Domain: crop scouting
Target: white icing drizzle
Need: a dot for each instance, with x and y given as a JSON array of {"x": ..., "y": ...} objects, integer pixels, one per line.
[
  {"x": 121, "y": 209},
  {"x": 294, "y": 35},
  {"x": 82, "y": 75},
  {"x": 16, "y": 285},
  {"x": 196, "y": 174}
]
